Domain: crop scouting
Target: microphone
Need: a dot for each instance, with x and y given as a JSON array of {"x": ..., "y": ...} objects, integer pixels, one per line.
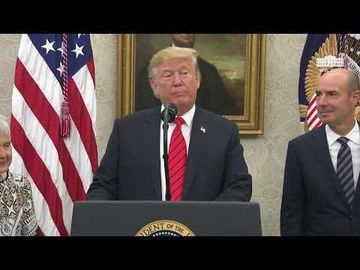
[
  {"x": 169, "y": 113},
  {"x": 168, "y": 116}
]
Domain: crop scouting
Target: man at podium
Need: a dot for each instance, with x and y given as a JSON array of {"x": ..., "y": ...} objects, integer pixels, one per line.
[{"x": 205, "y": 157}]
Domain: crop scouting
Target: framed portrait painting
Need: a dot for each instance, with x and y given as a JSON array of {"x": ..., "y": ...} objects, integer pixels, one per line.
[{"x": 232, "y": 70}]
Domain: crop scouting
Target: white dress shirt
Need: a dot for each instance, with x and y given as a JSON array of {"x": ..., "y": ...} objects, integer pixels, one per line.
[
  {"x": 186, "y": 131},
  {"x": 334, "y": 147}
]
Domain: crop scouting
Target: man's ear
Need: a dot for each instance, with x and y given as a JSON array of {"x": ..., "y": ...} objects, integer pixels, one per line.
[
  {"x": 154, "y": 86},
  {"x": 356, "y": 95}
]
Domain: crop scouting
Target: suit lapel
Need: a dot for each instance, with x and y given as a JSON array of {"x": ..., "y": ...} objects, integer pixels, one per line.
[
  {"x": 357, "y": 191},
  {"x": 196, "y": 148},
  {"x": 152, "y": 146},
  {"x": 320, "y": 148}
]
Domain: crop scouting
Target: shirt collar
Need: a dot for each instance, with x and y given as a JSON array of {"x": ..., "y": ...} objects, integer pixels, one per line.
[
  {"x": 188, "y": 116},
  {"x": 353, "y": 135}
]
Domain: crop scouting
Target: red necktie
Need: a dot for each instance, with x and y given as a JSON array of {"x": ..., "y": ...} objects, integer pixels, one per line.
[{"x": 177, "y": 161}]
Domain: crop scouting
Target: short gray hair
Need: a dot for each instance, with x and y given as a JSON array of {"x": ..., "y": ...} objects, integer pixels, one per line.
[
  {"x": 172, "y": 53},
  {"x": 4, "y": 127}
]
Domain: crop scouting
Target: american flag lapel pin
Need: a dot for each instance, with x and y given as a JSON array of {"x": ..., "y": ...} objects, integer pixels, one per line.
[{"x": 203, "y": 129}]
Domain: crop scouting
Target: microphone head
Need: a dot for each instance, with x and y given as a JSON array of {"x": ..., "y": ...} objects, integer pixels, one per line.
[{"x": 169, "y": 113}]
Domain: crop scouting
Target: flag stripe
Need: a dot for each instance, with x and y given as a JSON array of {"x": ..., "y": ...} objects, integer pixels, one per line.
[
  {"x": 40, "y": 205},
  {"x": 85, "y": 84},
  {"x": 83, "y": 122},
  {"x": 312, "y": 118},
  {"x": 50, "y": 156},
  {"x": 39, "y": 173},
  {"x": 91, "y": 68},
  {"x": 79, "y": 156},
  {"x": 47, "y": 117},
  {"x": 317, "y": 123},
  {"x": 312, "y": 112}
]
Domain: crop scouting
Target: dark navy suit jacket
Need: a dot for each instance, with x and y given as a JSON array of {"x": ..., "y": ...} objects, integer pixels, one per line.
[
  {"x": 313, "y": 202},
  {"x": 130, "y": 168}
]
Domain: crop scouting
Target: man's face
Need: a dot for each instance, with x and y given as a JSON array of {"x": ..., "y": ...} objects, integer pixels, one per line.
[
  {"x": 175, "y": 82},
  {"x": 5, "y": 154},
  {"x": 184, "y": 40},
  {"x": 336, "y": 103}
]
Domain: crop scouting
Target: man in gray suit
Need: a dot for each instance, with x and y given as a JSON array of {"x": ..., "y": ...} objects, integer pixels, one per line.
[
  {"x": 131, "y": 168},
  {"x": 321, "y": 191}
]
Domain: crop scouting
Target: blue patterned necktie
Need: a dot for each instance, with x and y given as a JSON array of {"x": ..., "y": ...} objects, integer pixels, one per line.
[{"x": 344, "y": 170}]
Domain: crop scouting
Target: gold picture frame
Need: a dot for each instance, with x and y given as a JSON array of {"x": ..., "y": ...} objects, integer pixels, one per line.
[{"x": 250, "y": 120}]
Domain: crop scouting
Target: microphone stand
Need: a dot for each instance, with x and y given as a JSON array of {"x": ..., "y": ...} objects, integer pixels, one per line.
[{"x": 166, "y": 155}]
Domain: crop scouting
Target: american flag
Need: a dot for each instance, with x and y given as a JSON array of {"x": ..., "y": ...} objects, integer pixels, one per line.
[{"x": 52, "y": 124}]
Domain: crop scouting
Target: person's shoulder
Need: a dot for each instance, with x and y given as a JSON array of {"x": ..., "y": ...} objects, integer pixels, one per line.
[
  {"x": 303, "y": 138},
  {"x": 217, "y": 118},
  {"x": 134, "y": 119},
  {"x": 18, "y": 179},
  {"x": 208, "y": 113},
  {"x": 139, "y": 115}
]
